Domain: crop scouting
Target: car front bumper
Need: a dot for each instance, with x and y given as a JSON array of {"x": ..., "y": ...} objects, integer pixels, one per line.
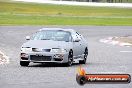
[{"x": 44, "y": 57}]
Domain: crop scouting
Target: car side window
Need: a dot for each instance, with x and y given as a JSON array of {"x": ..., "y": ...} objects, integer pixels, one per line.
[
  {"x": 76, "y": 35},
  {"x": 80, "y": 36}
]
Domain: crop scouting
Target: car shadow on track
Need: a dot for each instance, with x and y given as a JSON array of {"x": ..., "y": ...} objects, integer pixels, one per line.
[{"x": 52, "y": 65}]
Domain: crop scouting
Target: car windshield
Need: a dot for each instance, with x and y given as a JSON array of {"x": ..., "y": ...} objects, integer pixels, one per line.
[{"x": 55, "y": 35}]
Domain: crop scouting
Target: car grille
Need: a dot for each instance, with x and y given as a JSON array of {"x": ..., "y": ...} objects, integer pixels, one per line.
[
  {"x": 40, "y": 58},
  {"x": 40, "y": 50}
]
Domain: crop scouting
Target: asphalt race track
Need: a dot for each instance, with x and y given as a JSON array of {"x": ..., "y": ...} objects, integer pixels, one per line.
[{"x": 103, "y": 58}]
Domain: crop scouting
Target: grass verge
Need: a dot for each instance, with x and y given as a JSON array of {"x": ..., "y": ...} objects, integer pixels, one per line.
[{"x": 16, "y": 13}]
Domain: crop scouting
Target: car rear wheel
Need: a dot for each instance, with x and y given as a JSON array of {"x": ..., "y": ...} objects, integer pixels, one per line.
[
  {"x": 70, "y": 59},
  {"x": 24, "y": 63},
  {"x": 85, "y": 57}
]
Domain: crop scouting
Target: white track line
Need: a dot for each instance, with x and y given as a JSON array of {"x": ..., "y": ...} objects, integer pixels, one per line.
[
  {"x": 126, "y": 51},
  {"x": 121, "y": 5}
]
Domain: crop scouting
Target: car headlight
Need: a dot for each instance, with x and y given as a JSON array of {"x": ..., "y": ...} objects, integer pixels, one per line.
[
  {"x": 24, "y": 55},
  {"x": 58, "y": 50},
  {"x": 25, "y": 49}
]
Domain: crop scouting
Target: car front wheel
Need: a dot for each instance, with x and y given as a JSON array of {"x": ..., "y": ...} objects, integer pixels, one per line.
[
  {"x": 24, "y": 63},
  {"x": 70, "y": 59}
]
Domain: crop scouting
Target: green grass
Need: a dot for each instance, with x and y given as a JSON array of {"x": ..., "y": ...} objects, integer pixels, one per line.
[{"x": 14, "y": 13}]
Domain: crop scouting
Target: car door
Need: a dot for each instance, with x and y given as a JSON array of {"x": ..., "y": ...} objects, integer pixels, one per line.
[
  {"x": 82, "y": 44},
  {"x": 77, "y": 46}
]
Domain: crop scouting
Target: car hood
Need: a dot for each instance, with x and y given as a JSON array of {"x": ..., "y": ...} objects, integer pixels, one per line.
[{"x": 47, "y": 44}]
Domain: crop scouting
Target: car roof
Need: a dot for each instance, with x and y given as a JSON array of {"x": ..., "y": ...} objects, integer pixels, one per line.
[{"x": 60, "y": 29}]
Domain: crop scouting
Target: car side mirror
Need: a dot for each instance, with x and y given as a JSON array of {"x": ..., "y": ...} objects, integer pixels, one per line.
[
  {"x": 76, "y": 40},
  {"x": 27, "y": 37}
]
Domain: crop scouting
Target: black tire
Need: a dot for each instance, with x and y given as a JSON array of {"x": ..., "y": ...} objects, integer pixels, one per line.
[
  {"x": 24, "y": 63},
  {"x": 85, "y": 57},
  {"x": 70, "y": 59}
]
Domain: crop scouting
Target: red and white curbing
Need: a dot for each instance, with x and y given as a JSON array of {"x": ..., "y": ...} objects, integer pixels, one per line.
[
  {"x": 110, "y": 40},
  {"x": 3, "y": 58}
]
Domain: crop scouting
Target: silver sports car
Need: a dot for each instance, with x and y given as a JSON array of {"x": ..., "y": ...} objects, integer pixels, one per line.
[{"x": 54, "y": 45}]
